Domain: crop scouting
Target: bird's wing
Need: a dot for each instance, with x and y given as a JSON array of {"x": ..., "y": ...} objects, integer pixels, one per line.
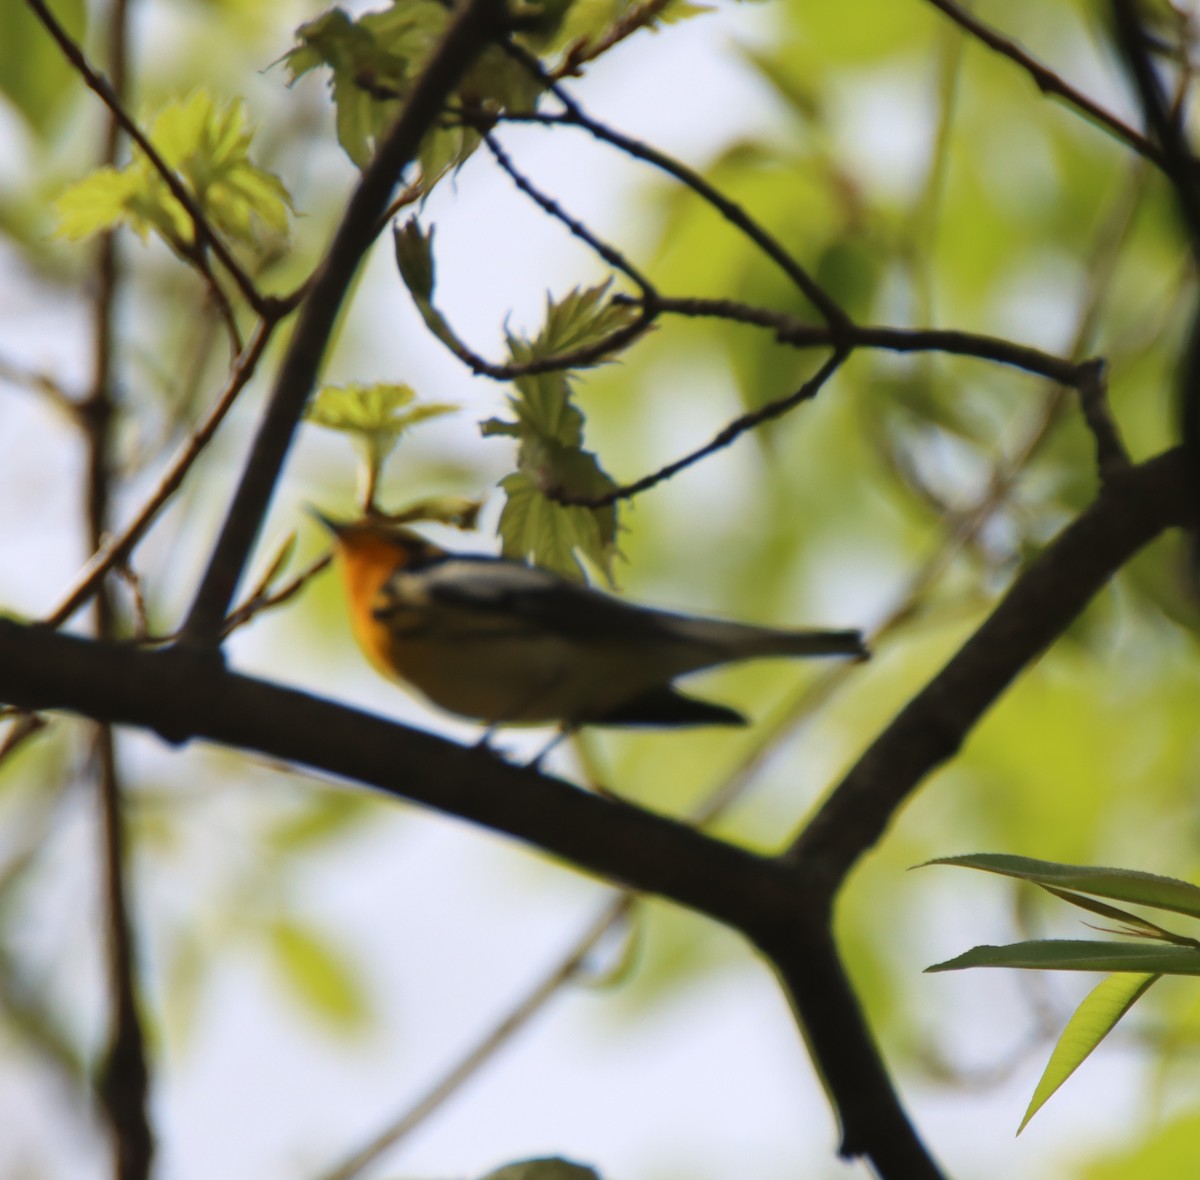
[{"x": 525, "y": 596}]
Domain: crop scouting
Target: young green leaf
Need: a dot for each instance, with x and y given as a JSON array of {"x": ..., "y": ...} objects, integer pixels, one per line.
[
  {"x": 1091, "y": 1022},
  {"x": 552, "y": 463},
  {"x": 208, "y": 147},
  {"x": 534, "y": 528},
  {"x": 375, "y": 417},
  {"x": 374, "y": 61}
]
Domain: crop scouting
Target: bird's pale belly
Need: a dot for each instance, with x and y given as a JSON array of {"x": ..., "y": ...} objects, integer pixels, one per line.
[{"x": 519, "y": 680}]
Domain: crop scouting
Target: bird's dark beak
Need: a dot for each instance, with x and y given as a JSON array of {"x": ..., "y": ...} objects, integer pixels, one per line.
[{"x": 336, "y": 527}]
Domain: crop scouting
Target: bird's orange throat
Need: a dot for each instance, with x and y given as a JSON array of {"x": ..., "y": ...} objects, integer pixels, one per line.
[{"x": 366, "y": 563}]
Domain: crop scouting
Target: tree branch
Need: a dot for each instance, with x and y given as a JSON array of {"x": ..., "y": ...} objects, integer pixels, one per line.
[
  {"x": 1131, "y": 510},
  {"x": 478, "y": 23},
  {"x": 782, "y": 904},
  {"x": 1047, "y": 81}
]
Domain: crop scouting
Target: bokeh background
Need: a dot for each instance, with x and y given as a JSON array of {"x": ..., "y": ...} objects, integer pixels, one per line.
[{"x": 313, "y": 958}]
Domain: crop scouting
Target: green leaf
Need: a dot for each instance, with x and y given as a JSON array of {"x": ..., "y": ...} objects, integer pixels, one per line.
[
  {"x": 100, "y": 201},
  {"x": 1135, "y": 925},
  {"x": 583, "y": 317},
  {"x": 374, "y": 62},
  {"x": 556, "y": 536},
  {"x": 1091, "y": 1022},
  {"x": 374, "y": 415},
  {"x": 552, "y": 463},
  {"x": 208, "y": 147},
  {"x": 34, "y": 75},
  {"x": 544, "y": 1169},
  {"x": 414, "y": 258},
  {"x": 1149, "y": 889},
  {"x": 319, "y": 976},
  {"x": 1068, "y": 954}
]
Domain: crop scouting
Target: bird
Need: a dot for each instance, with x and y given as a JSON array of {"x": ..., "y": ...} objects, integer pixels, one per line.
[{"x": 506, "y": 643}]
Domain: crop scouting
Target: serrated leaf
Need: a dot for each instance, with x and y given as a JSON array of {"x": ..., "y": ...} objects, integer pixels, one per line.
[
  {"x": 1091, "y": 1022},
  {"x": 584, "y": 316},
  {"x": 544, "y": 1169},
  {"x": 208, "y": 146},
  {"x": 556, "y": 536},
  {"x": 375, "y": 415},
  {"x": 552, "y": 463},
  {"x": 374, "y": 61},
  {"x": 1128, "y": 885},
  {"x": 1068, "y": 954},
  {"x": 98, "y": 202},
  {"x": 319, "y": 976}
]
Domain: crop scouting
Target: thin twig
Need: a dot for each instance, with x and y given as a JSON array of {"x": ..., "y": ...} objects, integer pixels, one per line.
[
  {"x": 1047, "y": 81},
  {"x": 43, "y": 384},
  {"x": 265, "y": 306},
  {"x": 723, "y": 438},
  {"x": 790, "y": 330},
  {"x": 261, "y": 598},
  {"x": 609, "y": 253},
  {"x": 124, "y": 1081},
  {"x": 117, "y": 547},
  {"x": 637, "y": 16},
  {"x": 574, "y": 116}
]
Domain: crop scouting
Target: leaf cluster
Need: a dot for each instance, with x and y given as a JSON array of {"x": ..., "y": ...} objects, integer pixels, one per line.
[
  {"x": 1137, "y": 966},
  {"x": 207, "y": 145}
]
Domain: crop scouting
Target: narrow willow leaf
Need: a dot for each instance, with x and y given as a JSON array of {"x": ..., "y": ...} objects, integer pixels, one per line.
[
  {"x": 1128, "y": 885},
  {"x": 1068, "y": 954},
  {"x": 1135, "y": 925},
  {"x": 1092, "y": 1021}
]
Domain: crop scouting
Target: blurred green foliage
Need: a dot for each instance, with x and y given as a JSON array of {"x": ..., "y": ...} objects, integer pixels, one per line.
[{"x": 924, "y": 181}]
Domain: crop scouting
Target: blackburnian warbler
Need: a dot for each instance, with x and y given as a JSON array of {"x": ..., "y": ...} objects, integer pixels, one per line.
[{"x": 509, "y": 644}]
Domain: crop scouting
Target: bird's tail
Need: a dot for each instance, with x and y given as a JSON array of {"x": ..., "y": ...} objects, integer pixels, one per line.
[{"x": 742, "y": 641}]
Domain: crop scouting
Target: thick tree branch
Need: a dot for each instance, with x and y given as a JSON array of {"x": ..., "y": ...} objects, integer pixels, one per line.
[
  {"x": 182, "y": 697},
  {"x": 478, "y": 23}
]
